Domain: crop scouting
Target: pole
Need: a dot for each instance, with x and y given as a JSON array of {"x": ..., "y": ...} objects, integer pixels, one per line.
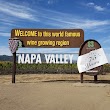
[
  {"x": 14, "y": 68},
  {"x": 81, "y": 77},
  {"x": 95, "y": 78}
]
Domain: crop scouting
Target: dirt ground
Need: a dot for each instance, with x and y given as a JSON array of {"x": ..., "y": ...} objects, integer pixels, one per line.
[{"x": 54, "y": 92}]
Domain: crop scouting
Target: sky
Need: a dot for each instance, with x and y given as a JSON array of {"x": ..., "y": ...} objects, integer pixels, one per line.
[{"x": 93, "y": 16}]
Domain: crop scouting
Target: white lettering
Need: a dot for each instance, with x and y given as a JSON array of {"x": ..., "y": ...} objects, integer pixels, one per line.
[
  {"x": 71, "y": 58},
  {"x": 52, "y": 59},
  {"x": 33, "y": 57},
  {"x": 20, "y": 58},
  {"x": 27, "y": 59},
  {"x": 38, "y": 59},
  {"x": 49, "y": 58}
]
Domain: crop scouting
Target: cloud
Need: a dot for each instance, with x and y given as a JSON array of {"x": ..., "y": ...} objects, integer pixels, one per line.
[
  {"x": 50, "y": 17},
  {"x": 4, "y": 34},
  {"x": 108, "y": 4},
  {"x": 47, "y": 2},
  {"x": 68, "y": 21},
  {"x": 103, "y": 29},
  {"x": 105, "y": 41},
  {"x": 50, "y": 50},
  {"x": 50, "y": 2},
  {"x": 95, "y": 23},
  {"x": 90, "y": 4},
  {"x": 14, "y": 13},
  {"x": 38, "y": 50},
  {"x": 4, "y": 50},
  {"x": 99, "y": 8},
  {"x": 96, "y": 7},
  {"x": 18, "y": 11},
  {"x": 107, "y": 53}
]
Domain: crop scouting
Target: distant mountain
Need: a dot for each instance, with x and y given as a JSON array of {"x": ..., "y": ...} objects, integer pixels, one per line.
[{"x": 5, "y": 58}]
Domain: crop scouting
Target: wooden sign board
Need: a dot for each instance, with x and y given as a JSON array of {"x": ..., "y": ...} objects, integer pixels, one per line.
[
  {"x": 46, "y": 38},
  {"x": 49, "y": 38},
  {"x": 86, "y": 47}
]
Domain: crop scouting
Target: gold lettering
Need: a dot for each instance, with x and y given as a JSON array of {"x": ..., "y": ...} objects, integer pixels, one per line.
[
  {"x": 31, "y": 42},
  {"x": 72, "y": 34},
  {"x": 25, "y": 33}
]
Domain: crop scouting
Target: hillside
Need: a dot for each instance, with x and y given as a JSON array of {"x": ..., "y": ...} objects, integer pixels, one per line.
[{"x": 5, "y": 58}]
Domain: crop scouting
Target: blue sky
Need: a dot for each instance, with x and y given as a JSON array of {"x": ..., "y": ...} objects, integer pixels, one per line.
[{"x": 93, "y": 16}]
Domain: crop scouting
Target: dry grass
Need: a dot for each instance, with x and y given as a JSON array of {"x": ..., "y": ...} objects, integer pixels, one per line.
[{"x": 32, "y": 78}]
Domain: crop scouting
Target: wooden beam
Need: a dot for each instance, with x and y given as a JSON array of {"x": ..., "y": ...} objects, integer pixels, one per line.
[{"x": 14, "y": 68}]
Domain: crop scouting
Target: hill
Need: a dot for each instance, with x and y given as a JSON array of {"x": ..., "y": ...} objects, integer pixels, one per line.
[{"x": 5, "y": 58}]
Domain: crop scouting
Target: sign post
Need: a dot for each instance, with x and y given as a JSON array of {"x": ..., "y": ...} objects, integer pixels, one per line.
[
  {"x": 14, "y": 67},
  {"x": 87, "y": 47},
  {"x": 13, "y": 45}
]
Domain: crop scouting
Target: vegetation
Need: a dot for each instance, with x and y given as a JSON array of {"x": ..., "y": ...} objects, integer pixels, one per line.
[{"x": 6, "y": 68}]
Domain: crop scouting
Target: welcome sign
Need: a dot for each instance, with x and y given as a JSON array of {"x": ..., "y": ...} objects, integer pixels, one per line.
[
  {"x": 49, "y": 38},
  {"x": 45, "y": 38}
]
